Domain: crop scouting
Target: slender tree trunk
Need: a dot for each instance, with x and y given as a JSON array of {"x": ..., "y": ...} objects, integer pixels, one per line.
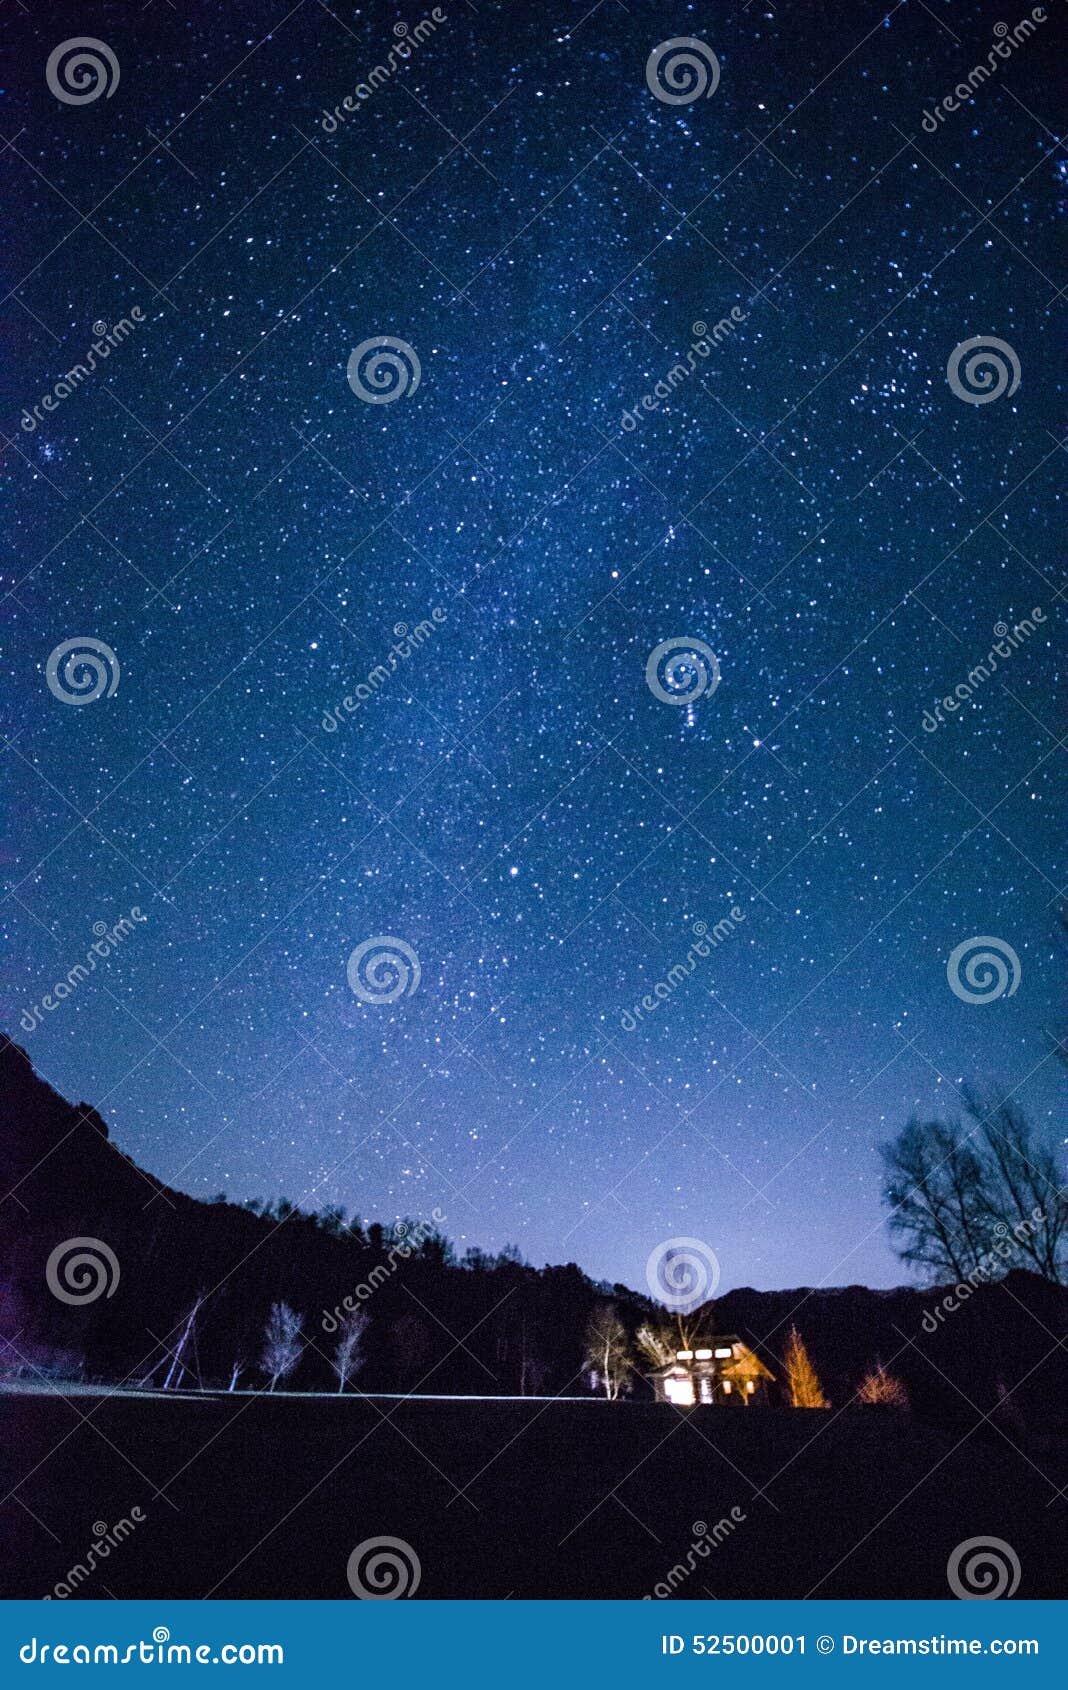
[{"x": 176, "y": 1360}]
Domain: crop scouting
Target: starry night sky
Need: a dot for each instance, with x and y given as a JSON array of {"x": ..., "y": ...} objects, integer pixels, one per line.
[{"x": 219, "y": 507}]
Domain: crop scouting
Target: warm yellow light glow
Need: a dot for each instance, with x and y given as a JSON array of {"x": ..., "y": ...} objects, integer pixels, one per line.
[
  {"x": 726, "y": 1387},
  {"x": 723, "y": 1352},
  {"x": 679, "y": 1392},
  {"x": 702, "y": 1355},
  {"x": 683, "y": 1355},
  {"x": 750, "y": 1385}
]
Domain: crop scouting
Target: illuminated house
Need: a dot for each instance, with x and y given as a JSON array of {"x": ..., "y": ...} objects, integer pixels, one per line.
[{"x": 725, "y": 1372}]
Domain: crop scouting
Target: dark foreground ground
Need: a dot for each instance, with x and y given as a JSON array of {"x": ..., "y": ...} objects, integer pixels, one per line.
[{"x": 267, "y": 1497}]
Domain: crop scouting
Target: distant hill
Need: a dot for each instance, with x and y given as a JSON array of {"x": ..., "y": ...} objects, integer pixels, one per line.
[{"x": 484, "y": 1326}]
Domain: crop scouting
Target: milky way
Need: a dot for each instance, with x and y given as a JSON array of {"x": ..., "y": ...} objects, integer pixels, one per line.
[{"x": 671, "y": 370}]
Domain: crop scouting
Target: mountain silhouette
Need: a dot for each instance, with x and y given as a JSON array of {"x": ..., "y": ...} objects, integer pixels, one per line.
[{"x": 995, "y": 1353}]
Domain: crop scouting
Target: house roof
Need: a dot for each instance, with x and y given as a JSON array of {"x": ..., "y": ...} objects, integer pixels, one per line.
[{"x": 743, "y": 1360}]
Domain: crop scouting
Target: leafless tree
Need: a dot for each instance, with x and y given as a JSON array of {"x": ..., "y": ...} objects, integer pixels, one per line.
[
  {"x": 1024, "y": 1192},
  {"x": 413, "y": 1345},
  {"x": 282, "y": 1343},
  {"x": 969, "y": 1201},
  {"x": 533, "y": 1375},
  {"x": 533, "y": 1368},
  {"x": 348, "y": 1356},
  {"x": 932, "y": 1179},
  {"x": 880, "y": 1387},
  {"x": 608, "y": 1352},
  {"x": 179, "y": 1367},
  {"x": 661, "y": 1343}
]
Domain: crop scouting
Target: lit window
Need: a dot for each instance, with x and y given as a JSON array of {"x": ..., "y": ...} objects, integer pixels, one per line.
[
  {"x": 683, "y": 1355},
  {"x": 724, "y": 1352},
  {"x": 679, "y": 1391},
  {"x": 702, "y": 1355},
  {"x": 750, "y": 1386},
  {"x": 726, "y": 1387}
]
